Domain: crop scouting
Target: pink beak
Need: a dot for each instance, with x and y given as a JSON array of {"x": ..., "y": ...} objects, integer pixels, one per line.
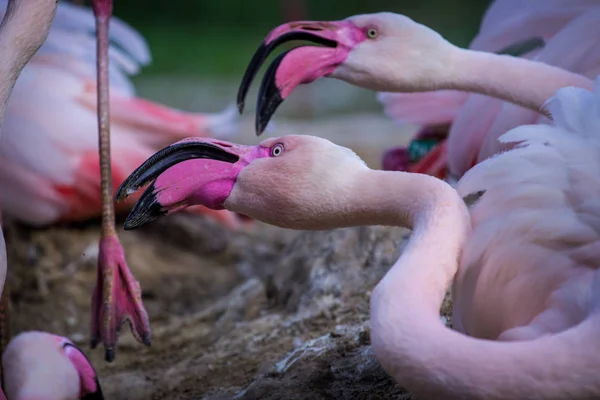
[
  {"x": 91, "y": 389},
  {"x": 301, "y": 65},
  {"x": 304, "y": 64},
  {"x": 193, "y": 171}
]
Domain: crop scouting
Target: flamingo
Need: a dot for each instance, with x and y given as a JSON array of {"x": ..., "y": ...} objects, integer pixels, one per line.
[
  {"x": 350, "y": 54},
  {"x": 49, "y": 151},
  {"x": 49, "y": 160},
  {"x": 39, "y": 365},
  {"x": 35, "y": 364},
  {"x": 18, "y": 44},
  {"x": 522, "y": 259},
  {"x": 472, "y": 121}
]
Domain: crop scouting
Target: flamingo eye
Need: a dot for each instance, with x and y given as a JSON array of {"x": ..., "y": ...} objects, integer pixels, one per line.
[
  {"x": 277, "y": 150},
  {"x": 372, "y": 33}
]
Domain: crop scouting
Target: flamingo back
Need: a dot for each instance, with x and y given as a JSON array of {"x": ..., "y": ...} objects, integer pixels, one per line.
[{"x": 534, "y": 251}]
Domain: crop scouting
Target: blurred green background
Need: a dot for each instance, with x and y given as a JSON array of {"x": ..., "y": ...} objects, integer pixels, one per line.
[
  {"x": 219, "y": 37},
  {"x": 200, "y": 49}
]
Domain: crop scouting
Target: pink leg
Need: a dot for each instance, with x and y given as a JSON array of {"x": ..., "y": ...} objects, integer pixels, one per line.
[
  {"x": 117, "y": 295},
  {"x": 117, "y": 298}
]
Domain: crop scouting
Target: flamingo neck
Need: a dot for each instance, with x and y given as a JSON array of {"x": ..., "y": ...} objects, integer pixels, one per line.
[
  {"x": 407, "y": 335},
  {"x": 440, "y": 222},
  {"x": 517, "y": 80}
]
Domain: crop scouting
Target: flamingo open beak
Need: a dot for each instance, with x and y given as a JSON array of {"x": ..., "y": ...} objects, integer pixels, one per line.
[
  {"x": 300, "y": 65},
  {"x": 193, "y": 171}
]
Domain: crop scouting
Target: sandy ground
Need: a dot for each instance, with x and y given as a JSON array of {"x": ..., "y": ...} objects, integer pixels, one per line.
[{"x": 266, "y": 313}]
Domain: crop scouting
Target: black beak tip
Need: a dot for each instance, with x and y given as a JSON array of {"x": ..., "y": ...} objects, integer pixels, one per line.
[
  {"x": 260, "y": 127},
  {"x": 136, "y": 220},
  {"x": 269, "y": 95},
  {"x": 147, "y": 209},
  {"x": 121, "y": 193}
]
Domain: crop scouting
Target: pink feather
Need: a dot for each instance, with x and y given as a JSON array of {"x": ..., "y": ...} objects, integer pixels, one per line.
[
  {"x": 49, "y": 146},
  {"x": 567, "y": 26},
  {"x": 466, "y": 143}
]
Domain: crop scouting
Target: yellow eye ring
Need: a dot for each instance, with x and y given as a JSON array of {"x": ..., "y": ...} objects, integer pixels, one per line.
[{"x": 372, "y": 33}]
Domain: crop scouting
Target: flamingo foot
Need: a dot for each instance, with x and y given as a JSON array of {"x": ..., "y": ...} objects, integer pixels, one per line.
[{"x": 117, "y": 298}]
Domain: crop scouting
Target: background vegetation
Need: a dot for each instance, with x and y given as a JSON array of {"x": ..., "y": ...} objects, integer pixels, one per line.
[{"x": 218, "y": 37}]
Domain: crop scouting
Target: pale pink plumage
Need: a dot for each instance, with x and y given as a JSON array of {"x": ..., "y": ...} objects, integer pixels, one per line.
[
  {"x": 49, "y": 148},
  {"x": 38, "y": 365},
  {"x": 35, "y": 365},
  {"x": 527, "y": 274},
  {"x": 572, "y": 48},
  {"x": 523, "y": 260},
  {"x": 503, "y": 24}
]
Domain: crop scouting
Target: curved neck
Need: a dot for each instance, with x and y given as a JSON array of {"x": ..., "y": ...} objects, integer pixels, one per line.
[
  {"x": 517, "y": 80},
  {"x": 23, "y": 30},
  {"x": 439, "y": 220},
  {"x": 407, "y": 335}
]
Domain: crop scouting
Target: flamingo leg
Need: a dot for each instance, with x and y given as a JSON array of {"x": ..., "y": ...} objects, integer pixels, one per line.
[{"x": 117, "y": 295}]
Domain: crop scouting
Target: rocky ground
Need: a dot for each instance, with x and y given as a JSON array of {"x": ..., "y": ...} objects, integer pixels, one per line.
[{"x": 261, "y": 314}]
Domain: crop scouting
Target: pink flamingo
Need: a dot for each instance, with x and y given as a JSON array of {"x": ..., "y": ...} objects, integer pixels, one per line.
[
  {"x": 49, "y": 153},
  {"x": 522, "y": 261},
  {"x": 350, "y": 54},
  {"x": 357, "y": 50},
  {"x": 506, "y": 28},
  {"x": 467, "y": 119},
  {"x": 38, "y": 365},
  {"x": 35, "y": 364}
]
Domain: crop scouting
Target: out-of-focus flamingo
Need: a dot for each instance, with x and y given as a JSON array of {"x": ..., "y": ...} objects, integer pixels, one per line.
[
  {"x": 35, "y": 365},
  {"x": 24, "y": 28},
  {"x": 49, "y": 161},
  {"x": 474, "y": 122},
  {"x": 524, "y": 266},
  {"x": 49, "y": 153},
  {"x": 39, "y": 365}
]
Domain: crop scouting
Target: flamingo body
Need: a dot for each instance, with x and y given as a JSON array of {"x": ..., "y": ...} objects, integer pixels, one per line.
[
  {"x": 35, "y": 365},
  {"x": 523, "y": 259},
  {"x": 477, "y": 120},
  {"x": 39, "y": 365},
  {"x": 49, "y": 159}
]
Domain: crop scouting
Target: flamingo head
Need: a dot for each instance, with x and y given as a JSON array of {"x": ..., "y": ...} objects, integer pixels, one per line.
[
  {"x": 306, "y": 176},
  {"x": 41, "y": 366},
  {"x": 383, "y": 51}
]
